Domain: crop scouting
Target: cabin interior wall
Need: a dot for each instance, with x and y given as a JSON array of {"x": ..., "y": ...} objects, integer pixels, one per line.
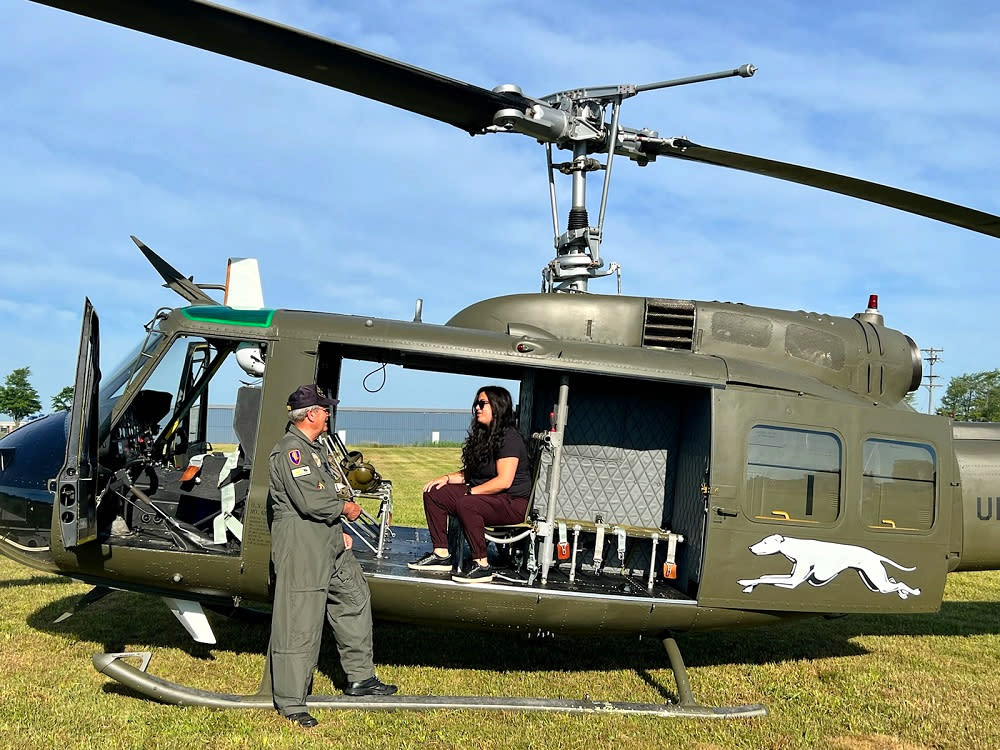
[
  {"x": 328, "y": 367},
  {"x": 694, "y": 447},
  {"x": 635, "y": 453}
]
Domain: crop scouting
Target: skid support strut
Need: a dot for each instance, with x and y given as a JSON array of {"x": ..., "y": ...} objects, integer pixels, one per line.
[
  {"x": 684, "y": 695},
  {"x": 164, "y": 691},
  {"x": 685, "y": 698}
]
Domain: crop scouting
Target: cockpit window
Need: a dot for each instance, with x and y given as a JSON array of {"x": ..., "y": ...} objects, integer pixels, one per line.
[
  {"x": 113, "y": 385},
  {"x": 179, "y": 477},
  {"x": 179, "y": 396}
]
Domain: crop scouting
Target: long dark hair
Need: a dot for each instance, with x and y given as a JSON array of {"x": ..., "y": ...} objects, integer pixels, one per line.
[{"x": 484, "y": 441}]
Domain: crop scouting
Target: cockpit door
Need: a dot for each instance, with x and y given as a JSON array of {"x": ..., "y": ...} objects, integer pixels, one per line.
[{"x": 76, "y": 487}]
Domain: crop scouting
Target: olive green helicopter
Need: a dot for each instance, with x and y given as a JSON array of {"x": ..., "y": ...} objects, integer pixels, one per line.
[{"x": 697, "y": 465}]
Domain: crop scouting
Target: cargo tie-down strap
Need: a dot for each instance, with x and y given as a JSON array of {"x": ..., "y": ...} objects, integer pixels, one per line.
[{"x": 226, "y": 520}]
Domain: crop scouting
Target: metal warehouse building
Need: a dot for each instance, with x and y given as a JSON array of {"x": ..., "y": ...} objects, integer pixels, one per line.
[{"x": 365, "y": 426}]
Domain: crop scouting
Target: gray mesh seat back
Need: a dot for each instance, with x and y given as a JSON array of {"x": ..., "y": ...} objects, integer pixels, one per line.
[
  {"x": 618, "y": 454},
  {"x": 245, "y": 417}
]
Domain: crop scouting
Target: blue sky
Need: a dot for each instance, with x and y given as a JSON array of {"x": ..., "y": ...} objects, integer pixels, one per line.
[{"x": 352, "y": 206}]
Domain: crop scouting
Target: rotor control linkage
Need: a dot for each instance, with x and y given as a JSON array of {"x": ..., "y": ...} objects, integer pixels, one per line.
[
  {"x": 576, "y": 119},
  {"x": 744, "y": 71}
]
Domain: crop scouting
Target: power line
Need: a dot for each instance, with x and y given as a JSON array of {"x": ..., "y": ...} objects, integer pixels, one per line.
[{"x": 931, "y": 359}]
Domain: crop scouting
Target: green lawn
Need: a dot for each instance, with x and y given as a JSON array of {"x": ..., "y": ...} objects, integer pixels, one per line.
[{"x": 855, "y": 683}]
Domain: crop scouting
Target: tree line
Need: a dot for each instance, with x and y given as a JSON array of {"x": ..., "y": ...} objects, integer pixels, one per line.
[
  {"x": 973, "y": 397},
  {"x": 19, "y": 399}
]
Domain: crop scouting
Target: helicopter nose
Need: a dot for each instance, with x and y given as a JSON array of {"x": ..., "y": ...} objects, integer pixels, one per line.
[{"x": 29, "y": 457}]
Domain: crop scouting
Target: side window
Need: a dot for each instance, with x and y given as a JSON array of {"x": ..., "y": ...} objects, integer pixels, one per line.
[
  {"x": 793, "y": 475},
  {"x": 899, "y": 485}
]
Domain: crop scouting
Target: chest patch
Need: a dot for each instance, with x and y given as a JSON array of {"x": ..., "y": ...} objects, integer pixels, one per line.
[
  {"x": 295, "y": 456},
  {"x": 301, "y": 471}
]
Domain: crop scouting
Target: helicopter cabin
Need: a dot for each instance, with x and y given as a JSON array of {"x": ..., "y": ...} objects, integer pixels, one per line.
[
  {"x": 631, "y": 478},
  {"x": 618, "y": 495}
]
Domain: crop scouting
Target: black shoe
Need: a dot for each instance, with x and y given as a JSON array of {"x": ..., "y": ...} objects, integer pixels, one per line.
[
  {"x": 476, "y": 574},
  {"x": 432, "y": 562},
  {"x": 303, "y": 719},
  {"x": 372, "y": 686}
]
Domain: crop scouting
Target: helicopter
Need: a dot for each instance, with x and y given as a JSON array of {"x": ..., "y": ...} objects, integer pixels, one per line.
[{"x": 699, "y": 465}]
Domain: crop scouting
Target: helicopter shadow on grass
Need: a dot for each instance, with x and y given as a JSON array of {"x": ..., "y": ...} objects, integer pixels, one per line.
[
  {"x": 825, "y": 637},
  {"x": 807, "y": 638},
  {"x": 127, "y": 618}
]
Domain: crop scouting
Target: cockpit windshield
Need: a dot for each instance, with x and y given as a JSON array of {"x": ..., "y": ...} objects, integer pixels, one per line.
[{"x": 113, "y": 385}]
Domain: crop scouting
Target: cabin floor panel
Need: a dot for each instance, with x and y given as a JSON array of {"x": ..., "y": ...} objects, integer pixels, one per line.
[{"x": 409, "y": 544}]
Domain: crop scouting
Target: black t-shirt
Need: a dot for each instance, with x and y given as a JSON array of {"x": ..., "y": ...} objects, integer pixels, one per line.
[{"x": 513, "y": 447}]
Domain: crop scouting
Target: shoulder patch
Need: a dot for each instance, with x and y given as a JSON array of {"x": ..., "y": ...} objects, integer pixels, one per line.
[
  {"x": 295, "y": 456},
  {"x": 301, "y": 471}
]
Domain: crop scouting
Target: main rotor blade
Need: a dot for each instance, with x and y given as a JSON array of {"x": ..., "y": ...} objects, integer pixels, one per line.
[
  {"x": 173, "y": 278},
  {"x": 950, "y": 213},
  {"x": 256, "y": 40}
]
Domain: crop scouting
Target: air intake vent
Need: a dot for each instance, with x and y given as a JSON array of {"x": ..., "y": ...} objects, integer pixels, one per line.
[{"x": 669, "y": 323}]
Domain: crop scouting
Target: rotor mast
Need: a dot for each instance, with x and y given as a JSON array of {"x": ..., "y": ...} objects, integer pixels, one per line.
[{"x": 576, "y": 120}]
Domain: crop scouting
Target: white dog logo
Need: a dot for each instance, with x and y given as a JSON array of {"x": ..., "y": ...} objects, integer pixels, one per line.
[{"x": 821, "y": 562}]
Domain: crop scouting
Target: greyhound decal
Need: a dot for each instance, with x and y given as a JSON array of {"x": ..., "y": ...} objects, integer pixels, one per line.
[{"x": 820, "y": 562}]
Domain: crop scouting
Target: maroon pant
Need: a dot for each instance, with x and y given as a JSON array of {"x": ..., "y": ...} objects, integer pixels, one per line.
[{"x": 474, "y": 512}]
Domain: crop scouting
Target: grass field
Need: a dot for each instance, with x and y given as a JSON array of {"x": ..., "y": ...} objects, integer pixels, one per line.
[{"x": 855, "y": 683}]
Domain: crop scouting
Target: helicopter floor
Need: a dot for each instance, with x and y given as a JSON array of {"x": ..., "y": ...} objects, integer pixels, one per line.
[{"x": 408, "y": 544}]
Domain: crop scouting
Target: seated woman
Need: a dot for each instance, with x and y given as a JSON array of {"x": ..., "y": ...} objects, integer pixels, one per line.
[{"x": 490, "y": 489}]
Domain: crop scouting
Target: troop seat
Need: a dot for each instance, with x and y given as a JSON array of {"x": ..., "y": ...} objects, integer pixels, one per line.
[
  {"x": 624, "y": 487},
  {"x": 515, "y": 532},
  {"x": 608, "y": 496}
]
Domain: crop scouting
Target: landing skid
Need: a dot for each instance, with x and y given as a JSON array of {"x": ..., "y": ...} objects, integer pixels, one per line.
[{"x": 164, "y": 691}]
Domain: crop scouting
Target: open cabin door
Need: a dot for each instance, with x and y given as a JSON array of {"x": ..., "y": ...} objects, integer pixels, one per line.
[{"x": 76, "y": 486}]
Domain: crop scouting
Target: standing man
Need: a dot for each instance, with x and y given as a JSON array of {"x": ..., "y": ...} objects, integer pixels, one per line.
[{"x": 313, "y": 567}]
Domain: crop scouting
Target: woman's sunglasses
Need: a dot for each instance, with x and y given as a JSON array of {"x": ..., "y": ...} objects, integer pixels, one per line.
[{"x": 480, "y": 404}]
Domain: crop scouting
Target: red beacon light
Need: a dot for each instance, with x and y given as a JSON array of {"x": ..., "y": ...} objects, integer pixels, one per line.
[{"x": 871, "y": 314}]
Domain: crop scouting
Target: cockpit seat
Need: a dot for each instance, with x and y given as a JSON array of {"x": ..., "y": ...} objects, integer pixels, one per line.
[
  {"x": 233, "y": 475},
  {"x": 245, "y": 418},
  {"x": 149, "y": 407}
]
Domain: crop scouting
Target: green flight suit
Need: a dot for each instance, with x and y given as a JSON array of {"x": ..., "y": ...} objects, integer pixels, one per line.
[{"x": 313, "y": 570}]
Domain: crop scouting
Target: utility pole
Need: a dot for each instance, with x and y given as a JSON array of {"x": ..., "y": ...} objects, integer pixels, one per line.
[{"x": 931, "y": 359}]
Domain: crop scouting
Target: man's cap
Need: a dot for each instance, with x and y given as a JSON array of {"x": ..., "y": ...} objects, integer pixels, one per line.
[{"x": 309, "y": 395}]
